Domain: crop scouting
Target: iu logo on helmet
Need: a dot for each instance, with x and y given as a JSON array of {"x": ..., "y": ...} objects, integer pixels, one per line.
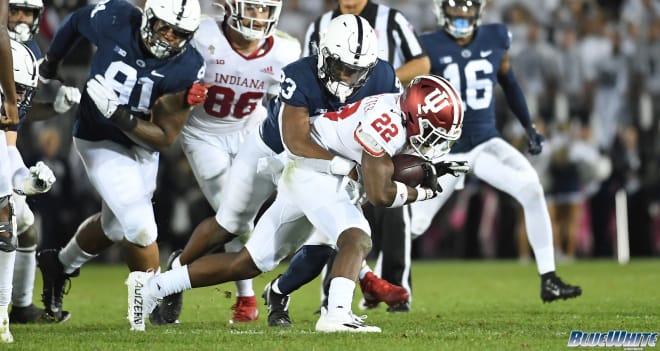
[{"x": 434, "y": 102}]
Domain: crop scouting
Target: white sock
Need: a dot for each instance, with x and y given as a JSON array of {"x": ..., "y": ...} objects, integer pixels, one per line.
[
  {"x": 177, "y": 262},
  {"x": 244, "y": 288},
  {"x": 73, "y": 257},
  {"x": 173, "y": 281},
  {"x": 6, "y": 273},
  {"x": 340, "y": 296},
  {"x": 25, "y": 268},
  {"x": 364, "y": 270}
]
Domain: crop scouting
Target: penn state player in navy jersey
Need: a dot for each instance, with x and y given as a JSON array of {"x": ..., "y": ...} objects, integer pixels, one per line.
[
  {"x": 474, "y": 58},
  {"x": 134, "y": 106},
  {"x": 344, "y": 73}
]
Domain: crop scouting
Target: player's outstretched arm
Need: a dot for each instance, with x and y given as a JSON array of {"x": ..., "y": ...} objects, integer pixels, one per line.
[{"x": 296, "y": 134}]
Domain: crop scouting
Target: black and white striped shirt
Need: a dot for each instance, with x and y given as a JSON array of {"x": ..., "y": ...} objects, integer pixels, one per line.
[{"x": 397, "y": 41}]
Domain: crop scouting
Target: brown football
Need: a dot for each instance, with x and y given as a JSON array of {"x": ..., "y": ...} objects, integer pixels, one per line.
[{"x": 408, "y": 169}]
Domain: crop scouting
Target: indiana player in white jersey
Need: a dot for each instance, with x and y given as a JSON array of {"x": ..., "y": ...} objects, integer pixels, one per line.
[
  {"x": 244, "y": 56},
  {"x": 424, "y": 120}
]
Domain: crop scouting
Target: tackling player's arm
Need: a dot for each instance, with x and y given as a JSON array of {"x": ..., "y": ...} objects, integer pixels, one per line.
[
  {"x": 413, "y": 68},
  {"x": 296, "y": 134}
]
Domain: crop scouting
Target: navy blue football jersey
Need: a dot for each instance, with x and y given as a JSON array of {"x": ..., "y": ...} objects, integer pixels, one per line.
[
  {"x": 301, "y": 87},
  {"x": 472, "y": 69},
  {"x": 22, "y": 113},
  {"x": 139, "y": 78}
]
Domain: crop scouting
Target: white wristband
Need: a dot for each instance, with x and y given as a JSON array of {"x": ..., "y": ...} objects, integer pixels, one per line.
[
  {"x": 401, "y": 195},
  {"x": 341, "y": 166},
  {"x": 338, "y": 165},
  {"x": 423, "y": 193}
]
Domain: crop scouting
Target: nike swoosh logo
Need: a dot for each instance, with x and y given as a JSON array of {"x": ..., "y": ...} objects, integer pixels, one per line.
[
  {"x": 486, "y": 53},
  {"x": 154, "y": 73},
  {"x": 555, "y": 291}
]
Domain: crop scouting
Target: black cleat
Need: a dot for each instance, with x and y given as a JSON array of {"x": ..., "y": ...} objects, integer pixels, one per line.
[
  {"x": 32, "y": 314},
  {"x": 278, "y": 308},
  {"x": 55, "y": 284},
  {"x": 402, "y": 307},
  {"x": 169, "y": 309},
  {"x": 553, "y": 288}
]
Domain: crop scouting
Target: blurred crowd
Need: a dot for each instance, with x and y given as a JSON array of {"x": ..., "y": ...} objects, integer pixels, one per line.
[{"x": 590, "y": 71}]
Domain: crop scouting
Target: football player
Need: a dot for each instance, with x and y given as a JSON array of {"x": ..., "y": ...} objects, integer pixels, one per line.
[
  {"x": 424, "y": 120},
  {"x": 474, "y": 58},
  {"x": 309, "y": 86},
  {"x": 134, "y": 106},
  {"x": 23, "y": 24},
  {"x": 244, "y": 57},
  {"x": 37, "y": 179}
]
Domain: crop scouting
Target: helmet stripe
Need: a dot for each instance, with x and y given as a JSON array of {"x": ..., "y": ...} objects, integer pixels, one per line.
[
  {"x": 360, "y": 35},
  {"x": 183, "y": 8},
  {"x": 454, "y": 99}
]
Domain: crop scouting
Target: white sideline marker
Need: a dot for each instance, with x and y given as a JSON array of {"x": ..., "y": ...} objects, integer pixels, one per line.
[{"x": 622, "y": 244}]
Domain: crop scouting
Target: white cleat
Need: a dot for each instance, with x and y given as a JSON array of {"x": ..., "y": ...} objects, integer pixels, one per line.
[
  {"x": 5, "y": 334},
  {"x": 140, "y": 301},
  {"x": 346, "y": 323}
]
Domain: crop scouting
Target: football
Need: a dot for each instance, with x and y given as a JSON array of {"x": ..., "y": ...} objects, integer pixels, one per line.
[{"x": 408, "y": 169}]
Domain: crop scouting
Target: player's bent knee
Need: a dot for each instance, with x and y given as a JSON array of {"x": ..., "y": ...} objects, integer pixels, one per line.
[
  {"x": 245, "y": 265},
  {"x": 355, "y": 237},
  {"x": 143, "y": 237},
  {"x": 530, "y": 192}
]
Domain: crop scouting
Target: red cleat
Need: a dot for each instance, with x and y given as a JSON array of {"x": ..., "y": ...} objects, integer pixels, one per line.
[
  {"x": 245, "y": 309},
  {"x": 376, "y": 290}
]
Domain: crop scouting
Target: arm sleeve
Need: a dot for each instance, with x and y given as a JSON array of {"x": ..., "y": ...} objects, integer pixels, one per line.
[{"x": 515, "y": 97}]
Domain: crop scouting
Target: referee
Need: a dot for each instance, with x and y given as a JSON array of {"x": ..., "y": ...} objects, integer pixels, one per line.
[{"x": 399, "y": 45}]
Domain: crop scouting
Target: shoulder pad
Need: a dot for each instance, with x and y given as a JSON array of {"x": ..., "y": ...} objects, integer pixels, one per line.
[{"x": 368, "y": 142}]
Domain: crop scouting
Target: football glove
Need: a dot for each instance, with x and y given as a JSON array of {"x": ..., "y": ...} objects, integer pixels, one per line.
[
  {"x": 196, "y": 94},
  {"x": 454, "y": 168},
  {"x": 535, "y": 140},
  {"x": 39, "y": 181},
  {"x": 47, "y": 69},
  {"x": 430, "y": 178},
  {"x": 103, "y": 95},
  {"x": 66, "y": 97}
]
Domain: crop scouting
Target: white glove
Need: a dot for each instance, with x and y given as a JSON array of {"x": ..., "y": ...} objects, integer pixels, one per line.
[
  {"x": 66, "y": 97},
  {"x": 103, "y": 95},
  {"x": 354, "y": 190},
  {"x": 39, "y": 181}
]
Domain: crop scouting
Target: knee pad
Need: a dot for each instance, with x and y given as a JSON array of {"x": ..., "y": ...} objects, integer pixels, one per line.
[
  {"x": 529, "y": 192},
  {"x": 143, "y": 236}
]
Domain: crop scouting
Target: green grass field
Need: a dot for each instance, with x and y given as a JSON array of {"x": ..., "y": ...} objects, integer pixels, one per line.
[{"x": 458, "y": 305}]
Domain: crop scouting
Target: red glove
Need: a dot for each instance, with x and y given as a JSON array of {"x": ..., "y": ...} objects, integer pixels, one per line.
[{"x": 197, "y": 94}]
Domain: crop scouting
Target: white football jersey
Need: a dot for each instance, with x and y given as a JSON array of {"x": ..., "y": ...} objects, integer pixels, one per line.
[
  {"x": 238, "y": 83},
  {"x": 373, "y": 124}
]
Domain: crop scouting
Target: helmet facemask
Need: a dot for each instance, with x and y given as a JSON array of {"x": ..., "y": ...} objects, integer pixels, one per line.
[
  {"x": 246, "y": 17},
  {"x": 341, "y": 78},
  {"x": 23, "y": 32},
  {"x": 431, "y": 143},
  {"x": 161, "y": 16},
  {"x": 459, "y": 18}
]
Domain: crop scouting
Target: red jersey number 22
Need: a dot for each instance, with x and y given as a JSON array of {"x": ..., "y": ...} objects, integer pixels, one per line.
[{"x": 384, "y": 126}]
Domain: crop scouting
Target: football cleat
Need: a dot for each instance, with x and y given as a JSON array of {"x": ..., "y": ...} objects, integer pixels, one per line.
[
  {"x": 33, "y": 314},
  {"x": 278, "y": 307},
  {"x": 402, "y": 307},
  {"x": 55, "y": 283},
  {"x": 141, "y": 302},
  {"x": 376, "y": 290},
  {"x": 245, "y": 309},
  {"x": 554, "y": 288},
  {"x": 169, "y": 309},
  {"x": 5, "y": 334},
  {"x": 344, "y": 323}
]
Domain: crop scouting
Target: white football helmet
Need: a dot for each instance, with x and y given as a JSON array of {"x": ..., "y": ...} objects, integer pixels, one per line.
[
  {"x": 181, "y": 15},
  {"x": 26, "y": 74},
  {"x": 23, "y": 31},
  {"x": 258, "y": 27},
  {"x": 459, "y": 18},
  {"x": 348, "y": 52}
]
